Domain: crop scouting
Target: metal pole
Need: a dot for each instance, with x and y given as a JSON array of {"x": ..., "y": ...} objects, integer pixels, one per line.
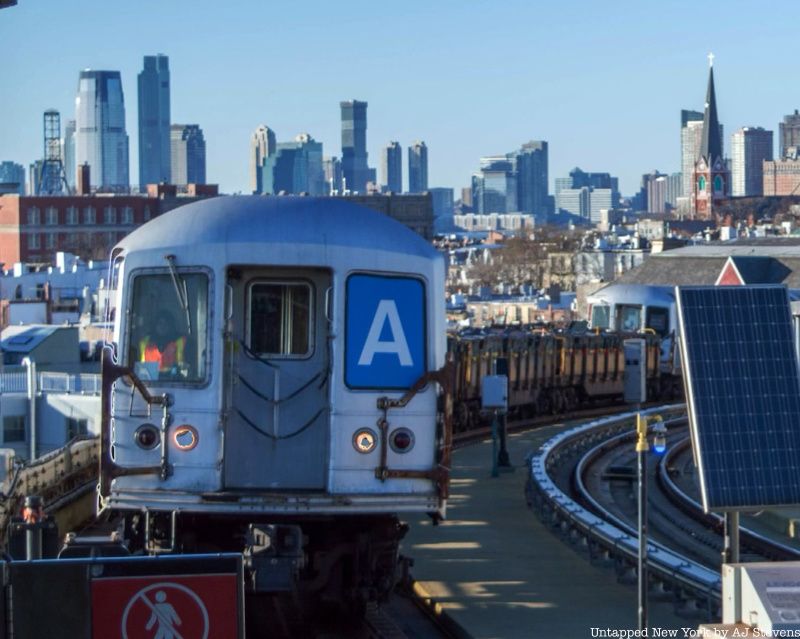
[
  {"x": 641, "y": 474},
  {"x": 730, "y": 549},
  {"x": 502, "y": 457},
  {"x": 726, "y": 538},
  {"x": 734, "y": 533},
  {"x": 33, "y": 542},
  {"x": 32, "y": 514},
  {"x": 495, "y": 472},
  {"x": 642, "y": 566},
  {"x": 33, "y": 441}
]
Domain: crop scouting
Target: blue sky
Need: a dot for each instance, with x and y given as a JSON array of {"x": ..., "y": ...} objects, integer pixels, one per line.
[{"x": 602, "y": 82}]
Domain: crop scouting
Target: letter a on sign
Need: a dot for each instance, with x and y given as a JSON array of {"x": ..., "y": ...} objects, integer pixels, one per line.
[
  {"x": 385, "y": 331},
  {"x": 387, "y": 309}
]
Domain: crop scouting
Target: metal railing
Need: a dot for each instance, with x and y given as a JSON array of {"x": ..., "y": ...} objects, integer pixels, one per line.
[
  {"x": 664, "y": 564},
  {"x": 14, "y": 379}
]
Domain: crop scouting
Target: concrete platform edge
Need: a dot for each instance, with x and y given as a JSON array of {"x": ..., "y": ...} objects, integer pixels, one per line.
[{"x": 424, "y": 599}]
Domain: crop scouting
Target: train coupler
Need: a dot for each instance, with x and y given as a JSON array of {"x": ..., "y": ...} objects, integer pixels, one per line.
[{"x": 273, "y": 557}]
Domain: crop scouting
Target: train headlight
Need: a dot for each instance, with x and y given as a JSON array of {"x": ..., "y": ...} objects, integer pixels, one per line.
[
  {"x": 401, "y": 440},
  {"x": 147, "y": 436},
  {"x": 365, "y": 440},
  {"x": 185, "y": 437}
]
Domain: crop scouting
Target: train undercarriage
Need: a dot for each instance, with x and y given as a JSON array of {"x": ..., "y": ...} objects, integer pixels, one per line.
[{"x": 337, "y": 559}]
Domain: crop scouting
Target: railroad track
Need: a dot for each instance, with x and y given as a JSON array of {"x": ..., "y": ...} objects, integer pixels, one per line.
[
  {"x": 604, "y": 538},
  {"x": 566, "y": 487}
]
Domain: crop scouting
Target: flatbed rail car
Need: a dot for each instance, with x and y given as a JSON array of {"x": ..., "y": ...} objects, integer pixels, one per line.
[
  {"x": 277, "y": 391},
  {"x": 548, "y": 373}
]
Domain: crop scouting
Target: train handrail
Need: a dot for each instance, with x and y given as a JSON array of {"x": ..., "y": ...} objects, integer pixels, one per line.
[{"x": 662, "y": 561}]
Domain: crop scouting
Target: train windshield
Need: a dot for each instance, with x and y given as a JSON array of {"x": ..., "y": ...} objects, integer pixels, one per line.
[
  {"x": 658, "y": 319},
  {"x": 168, "y": 327},
  {"x": 601, "y": 314},
  {"x": 630, "y": 318}
]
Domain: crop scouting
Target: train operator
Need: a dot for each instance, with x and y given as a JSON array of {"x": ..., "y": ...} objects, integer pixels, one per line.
[{"x": 163, "y": 345}]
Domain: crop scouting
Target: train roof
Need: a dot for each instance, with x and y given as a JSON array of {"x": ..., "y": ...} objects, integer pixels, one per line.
[
  {"x": 278, "y": 220},
  {"x": 643, "y": 293}
]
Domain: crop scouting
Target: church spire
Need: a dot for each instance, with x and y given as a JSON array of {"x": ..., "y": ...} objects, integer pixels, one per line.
[{"x": 711, "y": 146}]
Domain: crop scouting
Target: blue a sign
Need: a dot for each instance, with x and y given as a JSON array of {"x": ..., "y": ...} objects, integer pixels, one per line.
[{"x": 385, "y": 333}]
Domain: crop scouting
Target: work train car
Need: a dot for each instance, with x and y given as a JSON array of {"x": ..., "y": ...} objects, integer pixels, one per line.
[
  {"x": 651, "y": 308},
  {"x": 273, "y": 391},
  {"x": 632, "y": 308},
  {"x": 548, "y": 373}
]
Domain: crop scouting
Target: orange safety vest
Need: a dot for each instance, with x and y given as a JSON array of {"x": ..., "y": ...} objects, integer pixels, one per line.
[{"x": 169, "y": 357}]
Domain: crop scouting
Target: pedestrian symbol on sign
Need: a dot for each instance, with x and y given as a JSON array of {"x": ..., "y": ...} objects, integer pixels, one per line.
[
  {"x": 164, "y": 617},
  {"x": 159, "y": 610}
]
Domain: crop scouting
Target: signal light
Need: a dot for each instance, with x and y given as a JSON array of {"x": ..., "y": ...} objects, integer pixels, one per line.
[
  {"x": 365, "y": 440},
  {"x": 659, "y": 438},
  {"x": 185, "y": 437},
  {"x": 147, "y": 437},
  {"x": 401, "y": 440}
]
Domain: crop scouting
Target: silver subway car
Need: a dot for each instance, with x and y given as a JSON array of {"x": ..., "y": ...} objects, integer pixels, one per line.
[{"x": 276, "y": 389}]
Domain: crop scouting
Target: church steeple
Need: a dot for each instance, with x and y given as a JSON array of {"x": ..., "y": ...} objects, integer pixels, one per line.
[
  {"x": 711, "y": 178},
  {"x": 711, "y": 146}
]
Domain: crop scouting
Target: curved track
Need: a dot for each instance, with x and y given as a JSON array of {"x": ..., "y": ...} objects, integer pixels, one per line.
[{"x": 583, "y": 481}]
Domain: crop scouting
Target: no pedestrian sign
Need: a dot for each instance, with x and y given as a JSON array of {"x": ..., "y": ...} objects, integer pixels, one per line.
[{"x": 165, "y": 607}]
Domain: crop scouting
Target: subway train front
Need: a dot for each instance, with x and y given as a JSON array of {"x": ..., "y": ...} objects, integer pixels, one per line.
[{"x": 274, "y": 389}]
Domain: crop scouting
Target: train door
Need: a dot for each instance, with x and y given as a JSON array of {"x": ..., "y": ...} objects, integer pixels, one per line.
[{"x": 277, "y": 378}]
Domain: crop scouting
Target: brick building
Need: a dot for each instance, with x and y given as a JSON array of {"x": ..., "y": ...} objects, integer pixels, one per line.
[
  {"x": 782, "y": 177},
  {"x": 415, "y": 211},
  {"x": 34, "y": 229}
]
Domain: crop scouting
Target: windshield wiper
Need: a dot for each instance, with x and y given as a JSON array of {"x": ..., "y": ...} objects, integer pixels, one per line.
[{"x": 180, "y": 290}]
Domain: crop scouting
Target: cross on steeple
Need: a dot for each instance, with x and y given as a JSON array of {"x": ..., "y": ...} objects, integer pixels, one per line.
[{"x": 710, "y": 59}]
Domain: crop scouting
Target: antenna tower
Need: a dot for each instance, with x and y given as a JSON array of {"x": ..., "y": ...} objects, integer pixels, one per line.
[{"x": 53, "y": 178}]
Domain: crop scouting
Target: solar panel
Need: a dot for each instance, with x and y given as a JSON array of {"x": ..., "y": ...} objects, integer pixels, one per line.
[{"x": 743, "y": 393}]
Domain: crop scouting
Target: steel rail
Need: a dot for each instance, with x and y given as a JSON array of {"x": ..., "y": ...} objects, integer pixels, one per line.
[
  {"x": 664, "y": 565},
  {"x": 757, "y": 542}
]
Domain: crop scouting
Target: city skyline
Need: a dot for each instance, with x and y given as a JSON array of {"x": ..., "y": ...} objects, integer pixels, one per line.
[{"x": 604, "y": 102}]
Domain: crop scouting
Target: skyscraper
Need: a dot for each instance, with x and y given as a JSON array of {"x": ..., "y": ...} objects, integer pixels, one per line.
[
  {"x": 295, "y": 167},
  {"x": 188, "y": 154},
  {"x": 154, "y": 121},
  {"x": 494, "y": 188},
  {"x": 531, "y": 161},
  {"x": 789, "y": 131},
  {"x": 691, "y": 137},
  {"x": 12, "y": 178},
  {"x": 68, "y": 154},
  {"x": 417, "y": 167},
  {"x": 100, "y": 137},
  {"x": 392, "y": 167},
  {"x": 262, "y": 145},
  {"x": 655, "y": 186},
  {"x": 442, "y": 199},
  {"x": 586, "y": 194},
  {"x": 355, "y": 170},
  {"x": 711, "y": 178},
  {"x": 332, "y": 168},
  {"x": 514, "y": 182},
  {"x": 750, "y": 146}
]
